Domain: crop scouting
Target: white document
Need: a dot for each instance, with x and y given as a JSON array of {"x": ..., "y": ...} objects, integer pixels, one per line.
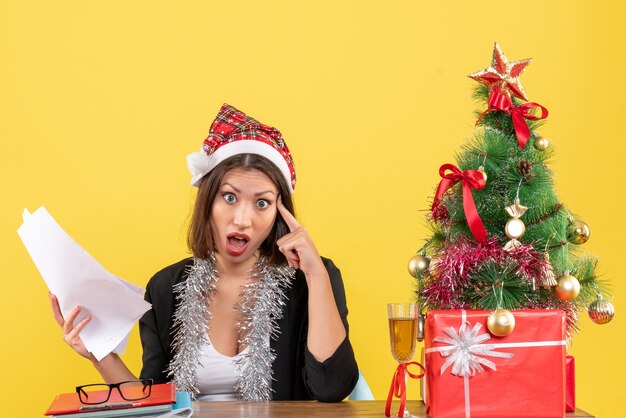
[{"x": 77, "y": 279}]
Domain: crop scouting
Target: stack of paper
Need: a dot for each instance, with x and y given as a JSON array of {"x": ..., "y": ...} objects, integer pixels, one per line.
[
  {"x": 163, "y": 402},
  {"x": 77, "y": 279}
]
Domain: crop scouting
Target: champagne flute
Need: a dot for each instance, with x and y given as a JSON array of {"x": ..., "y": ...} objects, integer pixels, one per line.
[{"x": 403, "y": 333}]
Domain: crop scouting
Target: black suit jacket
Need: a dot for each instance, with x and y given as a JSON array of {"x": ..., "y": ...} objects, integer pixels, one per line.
[{"x": 297, "y": 374}]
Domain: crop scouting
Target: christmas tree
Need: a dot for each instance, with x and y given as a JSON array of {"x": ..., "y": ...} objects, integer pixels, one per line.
[{"x": 501, "y": 238}]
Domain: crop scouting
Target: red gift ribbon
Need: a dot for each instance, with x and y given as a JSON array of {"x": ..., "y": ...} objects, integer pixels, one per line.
[
  {"x": 499, "y": 101},
  {"x": 398, "y": 386},
  {"x": 471, "y": 179}
]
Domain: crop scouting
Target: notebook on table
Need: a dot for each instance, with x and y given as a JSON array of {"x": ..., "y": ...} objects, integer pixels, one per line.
[{"x": 161, "y": 399}]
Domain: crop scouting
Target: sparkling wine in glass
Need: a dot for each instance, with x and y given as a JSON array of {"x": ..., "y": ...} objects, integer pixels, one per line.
[{"x": 403, "y": 319}]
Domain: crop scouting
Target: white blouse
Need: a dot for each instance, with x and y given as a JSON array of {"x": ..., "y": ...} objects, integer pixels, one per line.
[{"x": 217, "y": 374}]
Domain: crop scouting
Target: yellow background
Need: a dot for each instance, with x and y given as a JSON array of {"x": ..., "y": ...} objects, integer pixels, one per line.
[{"x": 100, "y": 101}]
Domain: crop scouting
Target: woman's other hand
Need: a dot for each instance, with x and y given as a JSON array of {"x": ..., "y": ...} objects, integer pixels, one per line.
[
  {"x": 298, "y": 246},
  {"x": 71, "y": 333},
  {"x": 326, "y": 330}
]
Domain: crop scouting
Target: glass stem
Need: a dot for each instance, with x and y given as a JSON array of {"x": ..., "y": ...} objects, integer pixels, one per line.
[{"x": 407, "y": 414}]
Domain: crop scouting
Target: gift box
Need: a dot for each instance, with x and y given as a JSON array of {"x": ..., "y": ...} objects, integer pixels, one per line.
[
  {"x": 423, "y": 379},
  {"x": 471, "y": 373},
  {"x": 570, "y": 384}
]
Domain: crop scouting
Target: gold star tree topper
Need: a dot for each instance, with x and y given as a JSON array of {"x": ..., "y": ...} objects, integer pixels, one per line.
[{"x": 503, "y": 75}]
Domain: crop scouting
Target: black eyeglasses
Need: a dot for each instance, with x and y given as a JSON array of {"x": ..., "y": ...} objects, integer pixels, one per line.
[{"x": 130, "y": 390}]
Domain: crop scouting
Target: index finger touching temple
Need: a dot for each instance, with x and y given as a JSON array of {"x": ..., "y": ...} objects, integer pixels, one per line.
[{"x": 290, "y": 220}]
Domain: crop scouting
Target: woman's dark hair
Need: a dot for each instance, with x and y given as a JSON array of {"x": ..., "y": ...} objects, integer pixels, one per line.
[{"x": 200, "y": 237}]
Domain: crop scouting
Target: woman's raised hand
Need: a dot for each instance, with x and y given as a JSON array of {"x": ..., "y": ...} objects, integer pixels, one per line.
[
  {"x": 71, "y": 333},
  {"x": 326, "y": 330},
  {"x": 298, "y": 246}
]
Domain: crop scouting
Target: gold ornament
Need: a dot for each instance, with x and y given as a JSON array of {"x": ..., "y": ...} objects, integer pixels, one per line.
[
  {"x": 501, "y": 322},
  {"x": 567, "y": 288},
  {"x": 541, "y": 144},
  {"x": 418, "y": 264},
  {"x": 548, "y": 279},
  {"x": 578, "y": 232},
  {"x": 601, "y": 311},
  {"x": 514, "y": 228},
  {"x": 482, "y": 171}
]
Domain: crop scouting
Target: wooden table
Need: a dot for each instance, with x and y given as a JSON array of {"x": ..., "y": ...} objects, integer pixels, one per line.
[{"x": 281, "y": 409}]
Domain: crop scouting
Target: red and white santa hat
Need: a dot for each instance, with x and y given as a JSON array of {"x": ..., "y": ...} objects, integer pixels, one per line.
[{"x": 232, "y": 133}]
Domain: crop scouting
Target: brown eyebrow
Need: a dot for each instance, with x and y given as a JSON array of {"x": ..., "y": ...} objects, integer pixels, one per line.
[
  {"x": 231, "y": 186},
  {"x": 262, "y": 193},
  {"x": 256, "y": 194}
]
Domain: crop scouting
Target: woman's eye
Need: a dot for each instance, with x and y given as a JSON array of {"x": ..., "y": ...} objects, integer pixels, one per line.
[
  {"x": 262, "y": 203},
  {"x": 229, "y": 197}
]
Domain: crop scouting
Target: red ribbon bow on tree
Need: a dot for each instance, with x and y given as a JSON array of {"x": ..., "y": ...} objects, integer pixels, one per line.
[
  {"x": 499, "y": 101},
  {"x": 471, "y": 179},
  {"x": 398, "y": 386}
]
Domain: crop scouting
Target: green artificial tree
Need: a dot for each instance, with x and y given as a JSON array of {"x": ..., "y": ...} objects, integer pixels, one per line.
[{"x": 501, "y": 238}]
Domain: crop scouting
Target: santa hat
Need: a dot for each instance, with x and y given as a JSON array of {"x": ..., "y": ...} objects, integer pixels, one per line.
[{"x": 232, "y": 133}]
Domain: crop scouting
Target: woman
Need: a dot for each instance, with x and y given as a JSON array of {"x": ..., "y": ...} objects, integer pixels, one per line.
[{"x": 256, "y": 313}]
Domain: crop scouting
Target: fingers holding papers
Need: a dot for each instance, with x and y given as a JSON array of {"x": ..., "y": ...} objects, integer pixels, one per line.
[
  {"x": 56, "y": 310},
  {"x": 71, "y": 333}
]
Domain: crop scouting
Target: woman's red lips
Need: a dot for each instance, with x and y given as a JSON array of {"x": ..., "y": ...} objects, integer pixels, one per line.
[{"x": 236, "y": 243}]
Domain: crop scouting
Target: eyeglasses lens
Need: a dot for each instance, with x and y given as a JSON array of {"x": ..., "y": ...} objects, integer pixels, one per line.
[
  {"x": 132, "y": 391},
  {"x": 93, "y": 394}
]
